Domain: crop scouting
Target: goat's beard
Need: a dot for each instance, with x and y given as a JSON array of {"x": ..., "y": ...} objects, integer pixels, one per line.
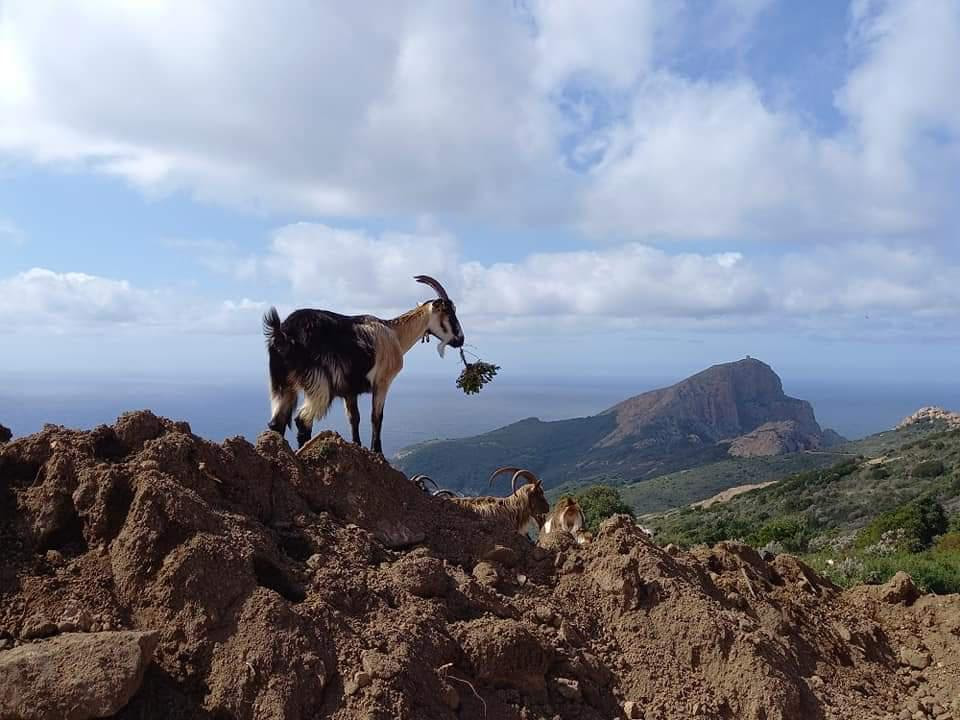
[{"x": 441, "y": 347}]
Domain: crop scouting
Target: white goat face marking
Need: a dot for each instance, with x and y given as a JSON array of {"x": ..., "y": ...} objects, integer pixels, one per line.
[{"x": 444, "y": 325}]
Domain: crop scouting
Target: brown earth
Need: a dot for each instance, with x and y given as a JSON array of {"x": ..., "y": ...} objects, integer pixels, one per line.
[{"x": 326, "y": 585}]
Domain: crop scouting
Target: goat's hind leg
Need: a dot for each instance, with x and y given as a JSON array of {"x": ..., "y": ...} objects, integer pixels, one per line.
[
  {"x": 282, "y": 403},
  {"x": 316, "y": 402}
]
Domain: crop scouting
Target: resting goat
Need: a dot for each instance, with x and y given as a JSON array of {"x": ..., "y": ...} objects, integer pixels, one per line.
[
  {"x": 421, "y": 481},
  {"x": 520, "y": 507},
  {"x": 327, "y": 355},
  {"x": 567, "y": 517}
]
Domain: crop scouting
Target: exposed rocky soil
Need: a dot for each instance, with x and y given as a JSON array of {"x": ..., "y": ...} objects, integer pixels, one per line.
[
  {"x": 262, "y": 584},
  {"x": 930, "y": 414},
  {"x": 774, "y": 438}
]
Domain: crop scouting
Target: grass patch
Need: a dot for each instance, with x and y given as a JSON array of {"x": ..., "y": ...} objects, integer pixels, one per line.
[{"x": 935, "y": 570}]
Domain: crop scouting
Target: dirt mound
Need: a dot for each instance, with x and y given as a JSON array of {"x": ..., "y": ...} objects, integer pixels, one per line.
[{"x": 326, "y": 585}]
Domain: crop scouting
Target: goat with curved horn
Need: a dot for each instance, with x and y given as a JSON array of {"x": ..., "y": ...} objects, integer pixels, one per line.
[
  {"x": 327, "y": 355},
  {"x": 517, "y": 473},
  {"x": 524, "y": 504}
]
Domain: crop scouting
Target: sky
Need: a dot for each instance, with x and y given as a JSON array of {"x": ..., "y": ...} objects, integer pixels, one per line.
[{"x": 626, "y": 188}]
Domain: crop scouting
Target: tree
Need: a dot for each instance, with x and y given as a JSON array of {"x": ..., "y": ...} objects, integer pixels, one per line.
[{"x": 600, "y": 502}]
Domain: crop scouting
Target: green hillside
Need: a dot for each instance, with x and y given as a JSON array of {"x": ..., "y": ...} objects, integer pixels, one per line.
[
  {"x": 681, "y": 488},
  {"x": 861, "y": 519},
  {"x": 550, "y": 449}
]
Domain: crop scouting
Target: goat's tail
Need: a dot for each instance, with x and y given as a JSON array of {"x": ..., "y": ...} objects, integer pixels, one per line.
[
  {"x": 272, "y": 327},
  {"x": 283, "y": 395}
]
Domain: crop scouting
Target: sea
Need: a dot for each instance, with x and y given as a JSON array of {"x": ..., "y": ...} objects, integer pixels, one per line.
[{"x": 419, "y": 408}]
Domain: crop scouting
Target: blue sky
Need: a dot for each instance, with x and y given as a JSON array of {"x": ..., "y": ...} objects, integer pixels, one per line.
[{"x": 607, "y": 189}]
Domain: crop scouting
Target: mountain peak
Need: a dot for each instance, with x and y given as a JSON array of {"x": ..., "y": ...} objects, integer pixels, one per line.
[{"x": 719, "y": 403}]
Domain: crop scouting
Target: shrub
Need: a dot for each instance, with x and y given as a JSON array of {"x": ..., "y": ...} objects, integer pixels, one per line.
[
  {"x": 954, "y": 525},
  {"x": 928, "y": 469},
  {"x": 600, "y": 502},
  {"x": 921, "y": 520},
  {"x": 793, "y": 532},
  {"x": 879, "y": 472},
  {"x": 935, "y": 571},
  {"x": 949, "y": 543}
]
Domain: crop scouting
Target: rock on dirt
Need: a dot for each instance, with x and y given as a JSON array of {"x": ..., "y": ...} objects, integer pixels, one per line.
[
  {"x": 73, "y": 677},
  {"x": 5, "y": 434},
  {"x": 323, "y": 584}
]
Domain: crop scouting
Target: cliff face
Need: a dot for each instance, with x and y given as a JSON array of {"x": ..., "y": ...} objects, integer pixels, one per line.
[
  {"x": 774, "y": 438},
  {"x": 720, "y": 403}
]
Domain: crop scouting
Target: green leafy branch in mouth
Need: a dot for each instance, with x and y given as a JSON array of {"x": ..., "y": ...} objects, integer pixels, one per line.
[{"x": 475, "y": 375}]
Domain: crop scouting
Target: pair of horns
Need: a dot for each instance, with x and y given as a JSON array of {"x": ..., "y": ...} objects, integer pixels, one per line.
[
  {"x": 437, "y": 287},
  {"x": 421, "y": 481},
  {"x": 517, "y": 474}
]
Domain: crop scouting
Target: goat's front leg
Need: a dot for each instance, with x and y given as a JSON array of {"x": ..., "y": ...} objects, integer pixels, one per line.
[
  {"x": 353, "y": 416},
  {"x": 376, "y": 419}
]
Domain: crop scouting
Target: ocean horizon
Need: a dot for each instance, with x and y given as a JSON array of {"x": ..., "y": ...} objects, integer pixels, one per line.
[{"x": 419, "y": 408}]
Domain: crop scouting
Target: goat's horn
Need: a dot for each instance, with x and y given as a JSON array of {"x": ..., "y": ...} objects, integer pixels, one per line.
[
  {"x": 444, "y": 493},
  {"x": 427, "y": 280},
  {"x": 421, "y": 477},
  {"x": 524, "y": 474},
  {"x": 500, "y": 471}
]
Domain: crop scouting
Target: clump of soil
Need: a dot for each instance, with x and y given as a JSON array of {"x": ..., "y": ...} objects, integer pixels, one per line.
[{"x": 326, "y": 584}]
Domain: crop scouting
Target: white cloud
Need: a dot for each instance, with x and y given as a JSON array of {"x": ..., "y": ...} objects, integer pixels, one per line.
[
  {"x": 358, "y": 272},
  {"x": 897, "y": 285},
  {"x": 716, "y": 159},
  {"x": 611, "y": 42},
  {"x": 328, "y": 108},
  {"x": 462, "y": 109},
  {"x": 899, "y": 98},
  {"x": 43, "y": 301},
  {"x": 874, "y": 290}
]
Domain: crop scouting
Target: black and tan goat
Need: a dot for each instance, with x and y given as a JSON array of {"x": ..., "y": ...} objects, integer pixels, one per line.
[
  {"x": 524, "y": 504},
  {"x": 327, "y": 355}
]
